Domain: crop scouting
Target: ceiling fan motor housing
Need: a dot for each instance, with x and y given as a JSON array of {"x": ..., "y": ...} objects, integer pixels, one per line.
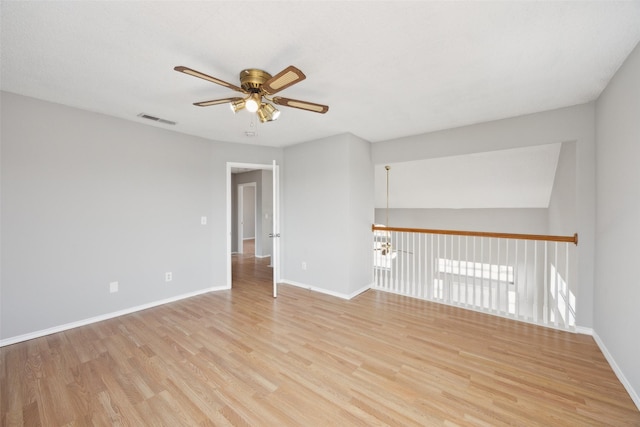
[{"x": 252, "y": 79}]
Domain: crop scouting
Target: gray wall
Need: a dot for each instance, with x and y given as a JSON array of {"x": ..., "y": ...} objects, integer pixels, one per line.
[
  {"x": 89, "y": 199},
  {"x": 562, "y": 204},
  {"x": 360, "y": 214},
  {"x": 617, "y": 291},
  {"x": 527, "y": 221},
  {"x": 327, "y": 214},
  {"x": 562, "y": 210},
  {"x": 562, "y": 125},
  {"x": 249, "y": 212}
]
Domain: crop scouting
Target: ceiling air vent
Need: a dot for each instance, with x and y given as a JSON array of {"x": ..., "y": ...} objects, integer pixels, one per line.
[{"x": 156, "y": 119}]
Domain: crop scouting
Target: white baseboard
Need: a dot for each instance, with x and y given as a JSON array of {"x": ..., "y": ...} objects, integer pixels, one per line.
[
  {"x": 262, "y": 256},
  {"x": 67, "y": 326},
  {"x": 326, "y": 291},
  {"x": 632, "y": 393},
  {"x": 583, "y": 330},
  {"x": 361, "y": 290}
]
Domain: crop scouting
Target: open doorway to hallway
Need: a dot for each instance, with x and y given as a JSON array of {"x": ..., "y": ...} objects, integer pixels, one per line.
[
  {"x": 248, "y": 212},
  {"x": 251, "y": 219}
]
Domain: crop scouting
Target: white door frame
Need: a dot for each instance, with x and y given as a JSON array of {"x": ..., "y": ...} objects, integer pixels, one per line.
[
  {"x": 274, "y": 256},
  {"x": 240, "y": 201},
  {"x": 275, "y": 232}
]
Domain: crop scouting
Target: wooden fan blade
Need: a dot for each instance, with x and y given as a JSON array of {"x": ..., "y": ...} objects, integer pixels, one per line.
[
  {"x": 216, "y": 102},
  {"x": 204, "y": 76},
  {"x": 303, "y": 105},
  {"x": 285, "y": 78}
]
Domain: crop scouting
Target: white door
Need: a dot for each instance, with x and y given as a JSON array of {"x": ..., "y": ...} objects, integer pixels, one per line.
[{"x": 275, "y": 257}]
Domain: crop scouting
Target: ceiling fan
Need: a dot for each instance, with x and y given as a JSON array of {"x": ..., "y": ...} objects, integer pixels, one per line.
[{"x": 258, "y": 88}]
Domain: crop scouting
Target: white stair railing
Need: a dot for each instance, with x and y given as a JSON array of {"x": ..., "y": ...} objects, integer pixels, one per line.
[{"x": 519, "y": 276}]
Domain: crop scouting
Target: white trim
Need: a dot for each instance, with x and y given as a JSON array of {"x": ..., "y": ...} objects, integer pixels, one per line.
[
  {"x": 262, "y": 256},
  {"x": 584, "y": 331},
  {"x": 275, "y": 260},
  {"x": 326, "y": 291},
  {"x": 361, "y": 290},
  {"x": 84, "y": 322},
  {"x": 229, "y": 232},
  {"x": 616, "y": 369}
]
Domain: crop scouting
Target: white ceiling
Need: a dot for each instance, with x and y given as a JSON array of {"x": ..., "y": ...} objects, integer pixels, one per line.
[
  {"x": 515, "y": 178},
  {"x": 386, "y": 69}
]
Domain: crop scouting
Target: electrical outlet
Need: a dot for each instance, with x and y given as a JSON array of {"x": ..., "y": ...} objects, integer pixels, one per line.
[
  {"x": 203, "y": 220},
  {"x": 168, "y": 277},
  {"x": 113, "y": 287},
  {"x": 304, "y": 265}
]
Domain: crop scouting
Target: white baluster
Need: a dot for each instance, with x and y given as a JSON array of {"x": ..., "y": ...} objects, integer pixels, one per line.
[
  {"x": 526, "y": 277},
  {"x": 546, "y": 287},
  {"x": 536, "y": 285},
  {"x": 567, "y": 316},
  {"x": 556, "y": 313}
]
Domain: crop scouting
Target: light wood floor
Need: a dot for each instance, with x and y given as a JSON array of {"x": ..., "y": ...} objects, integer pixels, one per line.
[{"x": 240, "y": 357}]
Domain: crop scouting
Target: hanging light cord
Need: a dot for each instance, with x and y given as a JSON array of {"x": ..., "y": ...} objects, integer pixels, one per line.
[{"x": 387, "y": 224}]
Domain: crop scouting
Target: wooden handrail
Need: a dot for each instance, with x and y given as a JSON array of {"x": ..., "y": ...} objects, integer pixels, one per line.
[{"x": 570, "y": 239}]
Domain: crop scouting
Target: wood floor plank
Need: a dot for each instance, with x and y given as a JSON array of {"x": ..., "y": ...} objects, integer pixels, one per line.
[{"x": 241, "y": 357}]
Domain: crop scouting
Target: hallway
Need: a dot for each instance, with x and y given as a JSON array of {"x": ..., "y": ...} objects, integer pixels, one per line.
[{"x": 246, "y": 269}]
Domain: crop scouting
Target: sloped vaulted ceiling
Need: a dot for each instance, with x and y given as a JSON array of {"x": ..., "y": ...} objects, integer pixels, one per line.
[{"x": 516, "y": 178}]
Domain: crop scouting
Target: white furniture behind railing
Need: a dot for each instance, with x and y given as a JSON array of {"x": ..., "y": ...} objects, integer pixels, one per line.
[{"x": 518, "y": 276}]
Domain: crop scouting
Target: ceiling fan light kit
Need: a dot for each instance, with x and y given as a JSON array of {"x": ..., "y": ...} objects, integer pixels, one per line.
[
  {"x": 237, "y": 105},
  {"x": 252, "y": 103},
  {"x": 270, "y": 111},
  {"x": 258, "y": 86}
]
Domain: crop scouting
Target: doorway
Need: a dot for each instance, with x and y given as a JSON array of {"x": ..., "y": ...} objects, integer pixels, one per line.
[{"x": 267, "y": 226}]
